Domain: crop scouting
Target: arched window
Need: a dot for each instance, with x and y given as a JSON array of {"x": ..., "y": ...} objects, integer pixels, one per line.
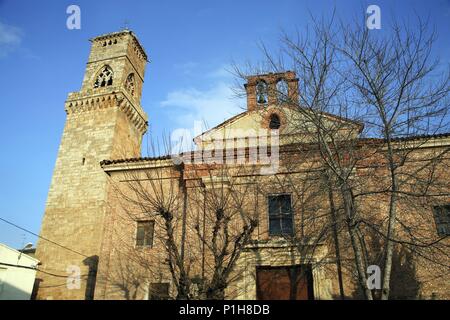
[
  {"x": 261, "y": 92},
  {"x": 129, "y": 84},
  {"x": 104, "y": 78},
  {"x": 282, "y": 91},
  {"x": 275, "y": 122}
]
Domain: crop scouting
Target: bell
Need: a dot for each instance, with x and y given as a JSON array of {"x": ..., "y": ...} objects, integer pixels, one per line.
[{"x": 261, "y": 99}]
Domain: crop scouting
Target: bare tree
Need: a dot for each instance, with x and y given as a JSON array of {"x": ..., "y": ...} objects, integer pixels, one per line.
[
  {"x": 407, "y": 93},
  {"x": 321, "y": 93},
  {"x": 203, "y": 214},
  {"x": 154, "y": 194},
  {"x": 367, "y": 107},
  {"x": 388, "y": 101},
  {"x": 227, "y": 222}
]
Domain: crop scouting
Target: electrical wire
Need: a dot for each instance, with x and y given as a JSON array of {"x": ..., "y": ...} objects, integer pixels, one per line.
[
  {"x": 36, "y": 269},
  {"x": 43, "y": 238}
]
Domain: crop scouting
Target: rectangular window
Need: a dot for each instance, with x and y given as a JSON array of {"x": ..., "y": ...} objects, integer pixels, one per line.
[
  {"x": 158, "y": 291},
  {"x": 280, "y": 215},
  {"x": 442, "y": 219},
  {"x": 144, "y": 233}
]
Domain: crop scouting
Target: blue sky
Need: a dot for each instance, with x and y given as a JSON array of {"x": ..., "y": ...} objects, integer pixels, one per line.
[{"x": 190, "y": 45}]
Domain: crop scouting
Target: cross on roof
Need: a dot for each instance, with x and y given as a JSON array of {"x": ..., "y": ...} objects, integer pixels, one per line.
[{"x": 126, "y": 25}]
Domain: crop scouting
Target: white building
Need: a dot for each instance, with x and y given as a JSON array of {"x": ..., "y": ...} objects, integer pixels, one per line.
[{"x": 17, "y": 274}]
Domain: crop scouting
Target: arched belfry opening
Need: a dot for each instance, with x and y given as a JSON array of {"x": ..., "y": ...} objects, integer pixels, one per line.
[
  {"x": 261, "y": 93},
  {"x": 269, "y": 89},
  {"x": 282, "y": 91},
  {"x": 104, "y": 77},
  {"x": 129, "y": 84}
]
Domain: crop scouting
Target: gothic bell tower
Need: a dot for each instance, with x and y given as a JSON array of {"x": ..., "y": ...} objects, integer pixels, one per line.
[{"x": 105, "y": 120}]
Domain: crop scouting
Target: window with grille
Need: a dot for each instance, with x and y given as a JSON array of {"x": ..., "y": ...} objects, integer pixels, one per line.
[
  {"x": 280, "y": 215},
  {"x": 144, "y": 233},
  {"x": 442, "y": 219}
]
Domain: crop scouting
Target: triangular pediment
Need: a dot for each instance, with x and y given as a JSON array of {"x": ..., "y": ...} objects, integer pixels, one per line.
[{"x": 295, "y": 125}]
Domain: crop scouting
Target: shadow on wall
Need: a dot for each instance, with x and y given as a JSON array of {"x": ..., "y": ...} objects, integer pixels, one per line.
[
  {"x": 37, "y": 283},
  {"x": 92, "y": 263},
  {"x": 127, "y": 280},
  {"x": 404, "y": 284}
]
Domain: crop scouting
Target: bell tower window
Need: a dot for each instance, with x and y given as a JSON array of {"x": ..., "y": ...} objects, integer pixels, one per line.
[
  {"x": 282, "y": 91},
  {"x": 129, "y": 84},
  {"x": 105, "y": 78},
  {"x": 261, "y": 92}
]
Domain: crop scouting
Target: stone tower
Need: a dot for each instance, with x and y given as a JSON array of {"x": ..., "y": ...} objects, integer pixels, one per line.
[{"x": 104, "y": 121}]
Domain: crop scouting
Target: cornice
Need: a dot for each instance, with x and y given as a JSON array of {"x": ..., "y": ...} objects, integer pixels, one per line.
[
  {"x": 79, "y": 102},
  {"x": 119, "y": 34}
]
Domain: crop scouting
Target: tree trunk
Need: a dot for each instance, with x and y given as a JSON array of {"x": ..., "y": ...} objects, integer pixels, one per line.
[
  {"x": 216, "y": 290},
  {"x": 336, "y": 242},
  {"x": 360, "y": 267},
  {"x": 389, "y": 248}
]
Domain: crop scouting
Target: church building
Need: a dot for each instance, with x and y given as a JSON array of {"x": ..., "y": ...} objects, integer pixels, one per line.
[{"x": 104, "y": 234}]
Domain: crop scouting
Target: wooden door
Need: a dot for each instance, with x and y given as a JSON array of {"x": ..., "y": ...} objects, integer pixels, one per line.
[{"x": 284, "y": 283}]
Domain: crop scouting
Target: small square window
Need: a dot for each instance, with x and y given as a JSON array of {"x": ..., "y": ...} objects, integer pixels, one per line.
[
  {"x": 442, "y": 220},
  {"x": 144, "y": 233},
  {"x": 280, "y": 215}
]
